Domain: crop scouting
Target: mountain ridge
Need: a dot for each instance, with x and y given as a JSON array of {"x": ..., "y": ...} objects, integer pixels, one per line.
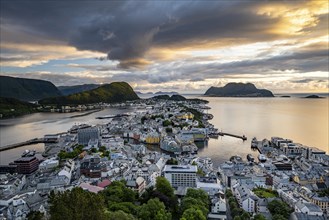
[
  {"x": 69, "y": 90},
  {"x": 27, "y": 89}
]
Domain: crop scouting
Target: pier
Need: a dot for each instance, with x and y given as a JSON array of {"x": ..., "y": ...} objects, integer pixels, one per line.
[
  {"x": 28, "y": 142},
  {"x": 112, "y": 116},
  {"x": 244, "y": 138}
]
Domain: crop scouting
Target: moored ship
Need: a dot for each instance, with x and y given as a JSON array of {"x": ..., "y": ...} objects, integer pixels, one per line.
[
  {"x": 250, "y": 158},
  {"x": 262, "y": 158}
]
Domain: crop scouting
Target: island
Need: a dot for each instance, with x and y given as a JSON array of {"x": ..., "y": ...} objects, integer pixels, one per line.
[
  {"x": 313, "y": 97},
  {"x": 238, "y": 90}
]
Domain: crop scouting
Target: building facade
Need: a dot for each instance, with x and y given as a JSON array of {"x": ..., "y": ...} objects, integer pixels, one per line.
[{"x": 180, "y": 175}]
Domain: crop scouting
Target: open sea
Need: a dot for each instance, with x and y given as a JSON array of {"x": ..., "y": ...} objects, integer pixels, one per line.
[{"x": 305, "y": 121}]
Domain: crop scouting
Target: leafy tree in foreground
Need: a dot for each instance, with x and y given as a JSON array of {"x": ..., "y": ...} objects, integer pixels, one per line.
[
  {"x": 126, "y": 207},
  {"x": 245, "y": 216},
  {"x": 277, "y": 207},
  {"x": 279, "y": 217},
  {"x": 153, "y": 210},
  {"x": 162, "y": 185},
  {"x": 35, "y": 215},
  {"x": 236, "y": 212},
  {"x": 118, "y": 192},
  {"x": 76, "y": 204},
  {"x": 259, "y": 217},
  {"x": 119, "y": 215},
  {"x": 189, "y": 202},
  {"x": 198, "y": 194},
  {"x": 193, "y": 214}
]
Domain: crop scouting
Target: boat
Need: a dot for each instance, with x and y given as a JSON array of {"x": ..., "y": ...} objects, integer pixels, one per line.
[
  {"x": 254, "y": 142},
  {"x": 28, "y": 153},
  {"x": 250, "y": 158},
  {"x": 262, "y": 158}
]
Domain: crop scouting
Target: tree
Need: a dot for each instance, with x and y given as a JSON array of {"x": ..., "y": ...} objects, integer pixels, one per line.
[
  {"x": 126, "y": 207},
  {"x": 162, "y": 185},
  {"x": 231, "y": 199},
  {"x": 193, "y": 214},
  {"x": 259, "y": 217},
  {"x": 189, "y": 202},
  {"x": 279, "y": 217},
  {"x": 236, "y": 212},
  {"x": 169, "y": 130},
  {"x": 35, "y": 215},
  {"x": 233, "y": 205},
  {"x": 237, "y": 218},
  {"x": 118, "y": 192},
  {"x": 198, "y": 194},
  {"x": 153, "y": 210},
  {"x": 102, "y": 148},
  {"x": 245, "y": 216},
  {"x": 228, "y": 193},
  {"x": 166, "y": 123},
  {"x": 119, "y": 215},
  {"x": 76, "y": 204},
  {"x": 277, "y": 207},
  {"x": 172, "y": 161}
]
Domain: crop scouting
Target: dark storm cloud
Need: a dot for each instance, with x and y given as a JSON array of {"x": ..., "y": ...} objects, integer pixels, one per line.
[{"x": 126, "y": 30}]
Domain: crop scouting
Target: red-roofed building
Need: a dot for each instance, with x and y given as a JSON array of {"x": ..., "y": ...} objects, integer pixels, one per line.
[
  {"x": 104, "y": 183},
  {"x": 90, "y": 188}
]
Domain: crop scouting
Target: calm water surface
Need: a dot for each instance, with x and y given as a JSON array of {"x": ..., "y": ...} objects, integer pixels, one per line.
[{"x": 303, "y": 120}]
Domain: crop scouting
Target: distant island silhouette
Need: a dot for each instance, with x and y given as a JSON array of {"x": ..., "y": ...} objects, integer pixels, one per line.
[
  {"x": 238, "y": 90},
  {"x": 313, "y": 97}
]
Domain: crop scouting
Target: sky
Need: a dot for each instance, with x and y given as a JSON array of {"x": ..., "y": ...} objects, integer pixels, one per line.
[{"x": 184, "y": 46}]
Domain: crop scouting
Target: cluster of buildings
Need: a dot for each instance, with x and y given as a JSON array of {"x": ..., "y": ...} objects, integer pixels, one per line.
[
  {"x": 127, "y": 148},
  {"x": 297, "y": 173},
  {"x": 139, "y": 147}
]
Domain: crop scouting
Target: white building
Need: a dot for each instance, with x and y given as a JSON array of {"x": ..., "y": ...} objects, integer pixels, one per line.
[
  {"x": 48, "y": 164},
  {"x": 218, "y": 209},
  {"x": 308, "y": 208},
  {"x": 180, "y": 175},
  {"x": 246, "y": 198}
]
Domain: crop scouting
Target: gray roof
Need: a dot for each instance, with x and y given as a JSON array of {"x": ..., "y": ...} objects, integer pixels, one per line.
[
  {"x": 303, "y": 216},
  {"x": 311, "y": 206},
  {"x": 180, "y": 169}
]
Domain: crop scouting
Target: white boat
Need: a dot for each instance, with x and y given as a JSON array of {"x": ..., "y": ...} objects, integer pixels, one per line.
[{"x": 262, "y": 158}]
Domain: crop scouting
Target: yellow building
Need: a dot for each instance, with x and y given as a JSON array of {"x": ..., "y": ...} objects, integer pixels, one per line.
[
  {"x": 185, "y": 116},
  {"x": 152, "y": 138}
]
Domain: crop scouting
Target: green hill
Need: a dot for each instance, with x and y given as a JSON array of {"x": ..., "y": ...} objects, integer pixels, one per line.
[
  {"x": 27, "y": 89},
  {"x": 68, "y": 90},
  {"x": 109, "y": 93},
  {"x": 10, "y": 107}
]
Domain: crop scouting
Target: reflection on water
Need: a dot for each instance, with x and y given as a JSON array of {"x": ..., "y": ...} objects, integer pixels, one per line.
[{"x": 303, "y": 120}]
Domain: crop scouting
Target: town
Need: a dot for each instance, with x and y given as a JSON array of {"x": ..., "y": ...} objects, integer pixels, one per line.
[{"x": 157, "y": 143}]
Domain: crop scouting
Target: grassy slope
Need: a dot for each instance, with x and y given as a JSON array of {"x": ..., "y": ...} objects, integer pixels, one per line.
[{"x": 110, "y": 93}]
